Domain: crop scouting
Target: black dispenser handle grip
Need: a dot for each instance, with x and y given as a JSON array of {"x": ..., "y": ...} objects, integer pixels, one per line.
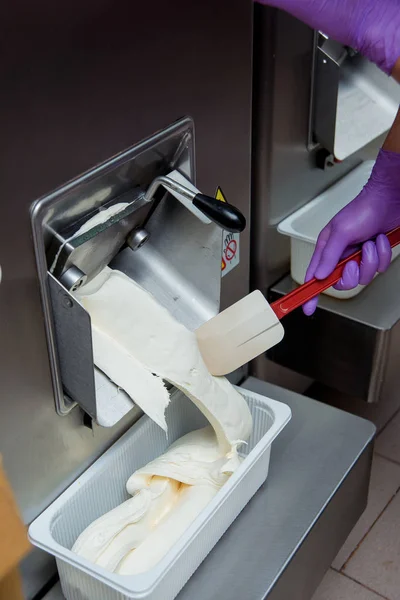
[{"x": 223, "y": 214}]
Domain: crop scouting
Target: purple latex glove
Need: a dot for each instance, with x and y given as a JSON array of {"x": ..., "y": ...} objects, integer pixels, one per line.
[
  {"x": 370, "y": 26},
  {"x": 375, "y": 211}
]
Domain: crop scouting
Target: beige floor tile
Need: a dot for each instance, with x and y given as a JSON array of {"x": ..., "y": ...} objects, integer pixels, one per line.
[
  {"x": 388, "y": 442},
  {"x": 338, "y": 587},
  {"x": 385, "y": 481},
  {"x": 376, "y": 563}
]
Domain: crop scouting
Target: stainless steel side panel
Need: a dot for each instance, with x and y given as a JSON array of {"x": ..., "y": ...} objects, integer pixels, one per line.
[
  {"x": 285, "y": 172},
  {"x": 81, "y": 82},
  {"x": 286, "y": 538},
  {"x": 285, "y": 175}
]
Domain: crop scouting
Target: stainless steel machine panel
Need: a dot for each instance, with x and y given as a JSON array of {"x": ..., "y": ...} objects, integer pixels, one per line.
[
  {"x": 285, "y": 173},
  {"x": 80, "y": 83}
]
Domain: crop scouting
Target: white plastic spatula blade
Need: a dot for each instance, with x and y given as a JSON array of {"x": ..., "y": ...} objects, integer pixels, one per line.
[{"x": 239, "y": 334}]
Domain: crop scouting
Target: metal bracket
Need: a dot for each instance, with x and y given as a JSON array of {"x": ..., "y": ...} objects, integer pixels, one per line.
[
  {"x": 73, "y": 336},
  {"x": 352, "y": 102},
  {"x": 88, "y": 253},
  {"x": 329, "y": 58}
]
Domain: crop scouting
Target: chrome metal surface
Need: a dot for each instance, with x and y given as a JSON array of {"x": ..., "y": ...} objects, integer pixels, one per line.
[
  {"x": 286, "y": 538},
  {"x": 73, "y": 335},
  {"x": 73, "y": 278},
  {"x": 285, "y": 175},
  {"x": 346, "y": 82},
  {"x": 137, "y": 238},
  {"x": 91, "y": 90},
  {"x": 91, "y": 251},
  {"x": 206, "y": 208},
  {"x": 169, "y": 184},
  {"x": 181, "y": 275},
  {"x": 352, "y": 345},
  {"x": 181, "y": 188},
  {"x": 330, "y": 56}
]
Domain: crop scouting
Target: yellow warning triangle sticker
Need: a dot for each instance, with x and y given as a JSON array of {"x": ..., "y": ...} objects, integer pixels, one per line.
[{"x": 219, "y": 195}]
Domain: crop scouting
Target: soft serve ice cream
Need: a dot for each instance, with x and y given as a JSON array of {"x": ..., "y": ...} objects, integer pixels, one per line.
[{"x": 138, "y": 345}]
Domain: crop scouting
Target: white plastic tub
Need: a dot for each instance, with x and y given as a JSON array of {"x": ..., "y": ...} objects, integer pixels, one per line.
[
  {"x": 102, "y": 487},
  {"x": 304, "y": 226}
]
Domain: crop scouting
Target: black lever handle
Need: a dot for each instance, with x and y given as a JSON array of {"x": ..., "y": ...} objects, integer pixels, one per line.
[{"x": 223, "y": 214}]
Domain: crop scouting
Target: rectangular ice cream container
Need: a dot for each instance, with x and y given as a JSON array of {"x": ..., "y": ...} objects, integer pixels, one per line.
[{"x": 102, "y": 487}]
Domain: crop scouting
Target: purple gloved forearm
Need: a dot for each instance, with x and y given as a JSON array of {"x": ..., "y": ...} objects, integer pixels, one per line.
[
  {"x": 374, "y": 212},
  {"x": 370, "y": 26}
]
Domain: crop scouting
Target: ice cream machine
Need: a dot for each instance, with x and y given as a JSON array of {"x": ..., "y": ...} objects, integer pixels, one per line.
[{"x": 120, "y": 112}]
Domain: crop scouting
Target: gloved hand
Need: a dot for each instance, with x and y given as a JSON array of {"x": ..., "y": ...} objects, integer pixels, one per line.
[
  {"x": 370, "y": 26},
  {"x": 375, "y": 211}
]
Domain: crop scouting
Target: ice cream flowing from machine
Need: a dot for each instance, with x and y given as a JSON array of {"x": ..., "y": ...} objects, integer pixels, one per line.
[{"x": 119, "y": 215}]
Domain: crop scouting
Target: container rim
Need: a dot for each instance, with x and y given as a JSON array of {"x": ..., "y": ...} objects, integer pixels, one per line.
[
  {"x": 286, "y": 226},
  {"x": 144, "y": 583}
]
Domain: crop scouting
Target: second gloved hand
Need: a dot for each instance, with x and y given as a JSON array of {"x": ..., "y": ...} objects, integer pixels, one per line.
[{"x": 375, "y": 211}]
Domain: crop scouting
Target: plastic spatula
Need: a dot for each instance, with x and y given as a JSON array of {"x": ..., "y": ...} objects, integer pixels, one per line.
[{"x": 252, "y": 326}]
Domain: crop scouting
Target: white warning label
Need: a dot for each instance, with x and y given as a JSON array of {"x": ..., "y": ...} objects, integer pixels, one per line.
[
  {"x": 230, "y": 244},
  {"x": 230, "y": 252}
]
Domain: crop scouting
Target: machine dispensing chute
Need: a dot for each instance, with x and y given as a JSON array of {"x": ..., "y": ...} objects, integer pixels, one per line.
[{"x": 115, "y": 216}]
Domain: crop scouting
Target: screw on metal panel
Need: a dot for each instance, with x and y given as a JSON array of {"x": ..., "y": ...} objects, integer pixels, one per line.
[
  {"x": 77, "y": 285},
  {"x": 67, "y": 302},
  {"x": 73, "y": 278},
  {"x": 137, "y": 238}
]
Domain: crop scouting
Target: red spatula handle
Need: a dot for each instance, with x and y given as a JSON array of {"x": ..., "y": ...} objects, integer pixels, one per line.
[{"x": 309, "y": 290}]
